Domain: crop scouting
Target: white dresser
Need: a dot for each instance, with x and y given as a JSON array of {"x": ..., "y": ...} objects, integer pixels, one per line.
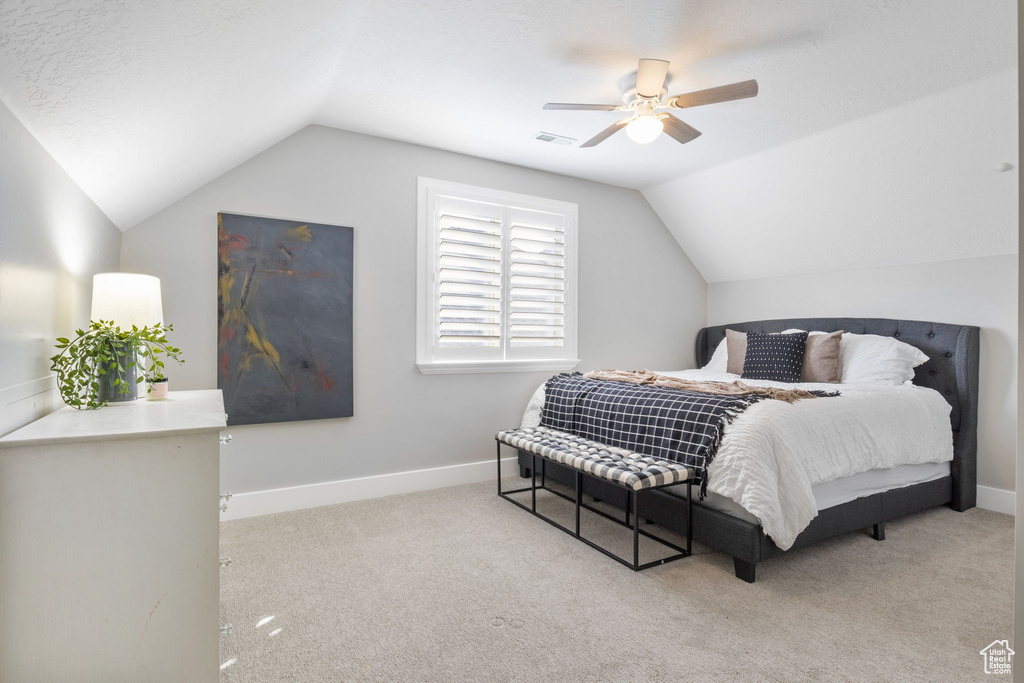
[{"x": 109, "y": 563}]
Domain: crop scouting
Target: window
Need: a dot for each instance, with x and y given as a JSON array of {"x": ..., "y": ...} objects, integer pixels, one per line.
[{"x": 496, "y": 280}]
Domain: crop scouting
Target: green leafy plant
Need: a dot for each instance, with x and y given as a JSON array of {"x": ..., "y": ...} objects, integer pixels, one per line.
[{"x": 105, "y": 349}]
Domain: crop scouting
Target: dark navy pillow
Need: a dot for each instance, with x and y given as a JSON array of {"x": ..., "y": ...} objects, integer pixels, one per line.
[{"x": 775, "y": 357}]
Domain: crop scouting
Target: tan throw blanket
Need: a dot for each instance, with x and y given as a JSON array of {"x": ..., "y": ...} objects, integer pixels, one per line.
[{"x": 723, "y": 388}]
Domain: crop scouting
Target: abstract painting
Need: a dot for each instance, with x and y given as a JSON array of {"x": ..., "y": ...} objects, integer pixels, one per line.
[{"x": 284, "y": 305}]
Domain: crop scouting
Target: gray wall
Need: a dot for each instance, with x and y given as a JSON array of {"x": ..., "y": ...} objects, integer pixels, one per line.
[
  {"x": 1018, "y": 529},
  {"x": 641, "y": 301},
  {"x": 52, "y": 240},
  {"x": 980, "y": 291}
]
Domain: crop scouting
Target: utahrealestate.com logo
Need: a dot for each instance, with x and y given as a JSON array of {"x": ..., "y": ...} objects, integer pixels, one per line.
[{"x": 998, "y": 657}]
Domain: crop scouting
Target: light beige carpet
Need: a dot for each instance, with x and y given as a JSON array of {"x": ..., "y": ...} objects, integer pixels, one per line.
[{"x": 458, "y": 585}]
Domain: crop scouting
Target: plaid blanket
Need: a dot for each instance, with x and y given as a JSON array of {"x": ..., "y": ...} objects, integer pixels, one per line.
[{"x": 670, "y": 424}]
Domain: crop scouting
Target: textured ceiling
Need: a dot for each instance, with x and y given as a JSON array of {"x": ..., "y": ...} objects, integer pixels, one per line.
[{"x": 143, "y": 102}]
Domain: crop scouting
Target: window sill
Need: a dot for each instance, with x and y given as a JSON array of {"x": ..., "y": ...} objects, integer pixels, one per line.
[{"x": 494, "y": 366}]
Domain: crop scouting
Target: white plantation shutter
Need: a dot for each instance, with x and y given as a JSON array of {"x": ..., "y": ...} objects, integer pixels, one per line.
[
  {"x": 469, "y": 280},
  {"x": 536, "y": 296},
  {"x": 495, "y": 281}
]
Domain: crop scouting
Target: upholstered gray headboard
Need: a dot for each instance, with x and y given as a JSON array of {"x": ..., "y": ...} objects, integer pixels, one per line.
[{"x": 952, "y": 370}]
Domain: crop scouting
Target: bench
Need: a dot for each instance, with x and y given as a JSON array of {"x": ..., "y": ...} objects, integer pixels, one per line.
[{"x": 636, "y": 473}]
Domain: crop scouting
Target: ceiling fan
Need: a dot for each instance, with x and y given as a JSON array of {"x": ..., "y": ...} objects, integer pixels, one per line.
[{"x": 645, "y": 99}]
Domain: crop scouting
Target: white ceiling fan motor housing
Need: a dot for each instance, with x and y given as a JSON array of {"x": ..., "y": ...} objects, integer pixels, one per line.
[{"x": 627, "y": 84}]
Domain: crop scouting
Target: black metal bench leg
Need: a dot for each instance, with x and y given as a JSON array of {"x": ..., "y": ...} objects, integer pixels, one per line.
[
  {"x": 533, "y": 485},
  {"x": 744, "y": 570},
  {"x": 632, "y": 512},
  {"x": 579, "y": 488},
  {"x": 878, "y": 531},
  {"x": 636, "y": 530},
  {"x": 689, "y": 518}
]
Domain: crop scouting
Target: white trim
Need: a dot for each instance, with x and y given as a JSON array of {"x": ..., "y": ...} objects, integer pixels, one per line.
[
  {"x": 487, "y": 360},
  {"x": 454, "y": 367},
  {"x": 255, "y": 503},
  {"x": 19, "y": 392},
  {"x": 424, "y": 275},
  {"x": 25, "y": 403},
  {"x": 243, "y": 505},
  {"x": 997, "y": 500}
]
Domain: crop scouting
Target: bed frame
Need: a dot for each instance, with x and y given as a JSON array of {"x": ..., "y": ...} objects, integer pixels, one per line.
[{"x": 952, "y": 370}]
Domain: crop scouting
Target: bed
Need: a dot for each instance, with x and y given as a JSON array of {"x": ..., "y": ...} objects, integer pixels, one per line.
[{"x": 862, "y": 501}]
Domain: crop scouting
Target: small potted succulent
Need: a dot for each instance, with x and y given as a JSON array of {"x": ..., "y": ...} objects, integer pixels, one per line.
[
  {"x": 157, "y": 390},
  {"x": 105, "y": 364}
]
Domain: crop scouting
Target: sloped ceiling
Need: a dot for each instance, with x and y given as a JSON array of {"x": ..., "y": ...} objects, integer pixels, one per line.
[
  {"x": 143, "y": 102},
  {"x": 917, "y": 183}
]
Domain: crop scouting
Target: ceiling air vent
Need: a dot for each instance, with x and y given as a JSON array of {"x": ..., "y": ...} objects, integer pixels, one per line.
[{"x": 554, "y": 139}]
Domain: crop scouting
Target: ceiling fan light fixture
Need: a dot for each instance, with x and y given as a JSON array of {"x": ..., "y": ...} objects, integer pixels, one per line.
[
  {"x": 644, "y": 129},
  {"x": 644, "y": 93}
]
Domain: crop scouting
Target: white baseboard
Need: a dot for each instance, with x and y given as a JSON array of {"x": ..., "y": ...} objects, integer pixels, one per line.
[
  {"x": 997, "y": 500},
  {"x": 257, "y": 503},
  {"x": 244, "y": 505}
]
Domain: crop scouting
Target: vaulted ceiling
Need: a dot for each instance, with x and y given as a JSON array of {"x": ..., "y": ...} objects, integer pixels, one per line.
[{"x": 143, "y": 102}]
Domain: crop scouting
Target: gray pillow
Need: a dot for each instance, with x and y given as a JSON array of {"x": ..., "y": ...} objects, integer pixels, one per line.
[
  {"x": 822, "y": 360},
  {"x": 736, "y": 345}
]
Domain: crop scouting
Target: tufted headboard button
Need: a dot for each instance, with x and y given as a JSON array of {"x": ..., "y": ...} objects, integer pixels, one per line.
[
  {"x": 896, "y": 334},
  {"x": 931, "y": 334},
  {"x": 931, "y": 372},
  {"x": 949, "y": 392},
  {"x": 948, "y": 354}
]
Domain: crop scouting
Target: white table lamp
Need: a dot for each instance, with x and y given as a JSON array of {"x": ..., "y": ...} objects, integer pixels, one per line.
[{"x": 127, "y": 299}]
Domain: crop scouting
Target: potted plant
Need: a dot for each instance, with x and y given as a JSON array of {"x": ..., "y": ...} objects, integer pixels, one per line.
[
  {"x": 157, "y": 389},
  {"x": 106, "y": 364}
]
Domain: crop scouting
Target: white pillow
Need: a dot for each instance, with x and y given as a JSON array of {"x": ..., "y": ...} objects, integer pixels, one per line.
[
  {"x": 719, "y": 359},
  {"x": 872, "y": 358}
]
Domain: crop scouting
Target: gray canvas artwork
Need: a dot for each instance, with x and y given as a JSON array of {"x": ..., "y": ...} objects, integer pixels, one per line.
[{"x": 284, "y": 344}]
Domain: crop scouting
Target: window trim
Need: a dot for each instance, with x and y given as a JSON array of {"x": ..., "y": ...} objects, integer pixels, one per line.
[{"x": 426, "y": 188}]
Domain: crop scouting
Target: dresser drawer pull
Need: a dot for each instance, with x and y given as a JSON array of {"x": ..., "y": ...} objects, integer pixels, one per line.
[
  {"x": 225, "y": 440},
  {"x": 226, "y": 496},
  {"x": 224, "y": 508},
  {"x": 225, "y": 561},
  {"x": 225, "y": 630}
]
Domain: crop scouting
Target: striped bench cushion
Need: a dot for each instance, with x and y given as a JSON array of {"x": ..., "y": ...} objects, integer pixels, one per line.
[{"x": 626, "y": 468}]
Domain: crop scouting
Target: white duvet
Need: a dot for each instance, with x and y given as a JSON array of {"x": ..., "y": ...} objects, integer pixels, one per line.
[{"x": 774, "y": 452}]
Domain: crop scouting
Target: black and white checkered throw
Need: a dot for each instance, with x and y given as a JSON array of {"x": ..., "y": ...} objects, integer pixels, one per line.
[
  {"x": 618, "y": 465},
  {"x": 669, "y": 424}
]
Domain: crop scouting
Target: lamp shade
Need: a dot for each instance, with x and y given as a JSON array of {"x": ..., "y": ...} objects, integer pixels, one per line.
[{"x": 127, "y": 299}]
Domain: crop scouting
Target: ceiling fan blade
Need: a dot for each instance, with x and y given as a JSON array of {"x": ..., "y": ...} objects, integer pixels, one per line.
[
  {"x": 682, "y": 132},
  {"x": 723, "y": 93},
  {"x": 607, "y": 133},
  {"x": 650, "y": 77},
  {"x": 587, "y": 107}
]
